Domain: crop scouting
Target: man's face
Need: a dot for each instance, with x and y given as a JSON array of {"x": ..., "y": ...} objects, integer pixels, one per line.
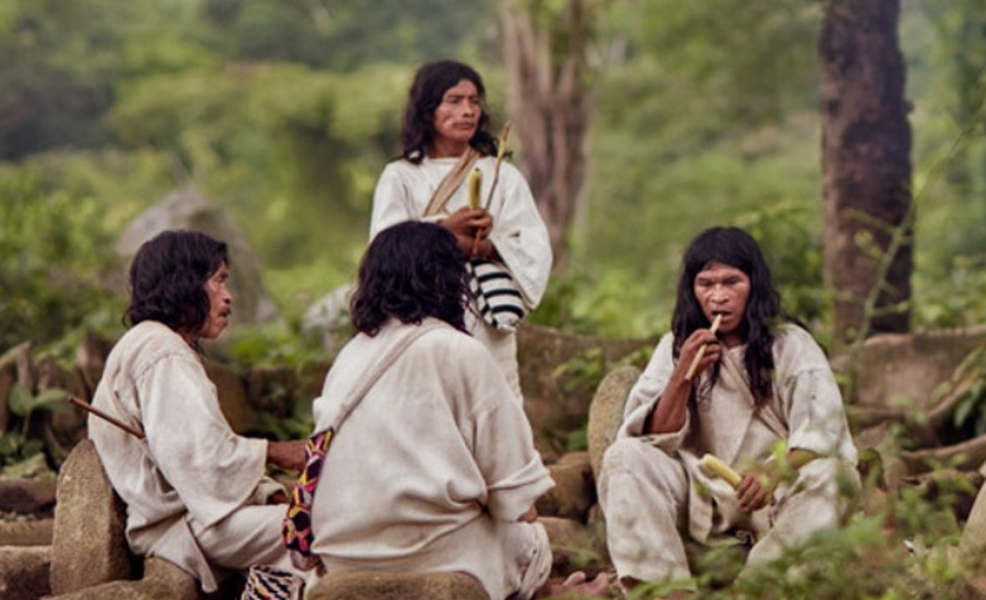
[
  {"x": 457, "y": 117},
  {"x": 220, "y": 304},
  {"x": 724, "y": 290}
]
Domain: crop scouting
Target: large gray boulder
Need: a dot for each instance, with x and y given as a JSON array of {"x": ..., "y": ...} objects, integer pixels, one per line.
[
  {"x": 898, "y": 367},
  {"x": 190, "y": 210}
]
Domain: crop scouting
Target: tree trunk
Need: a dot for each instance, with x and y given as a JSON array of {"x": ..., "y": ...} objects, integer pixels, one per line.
[
  {"x": 866, "y": 168},
  {"x": 549, "y": 102}
]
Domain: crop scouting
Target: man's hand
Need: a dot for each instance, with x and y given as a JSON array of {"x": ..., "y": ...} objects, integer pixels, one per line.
[
  {"x": 698, "y": 339},
  {"x": 467, "y": 224},
  {"x": 287, "y": 455},
  {"x": 530, "y": 516},
  {"x": 278, "y": 497},
  {"x": 756, "y": 490}
]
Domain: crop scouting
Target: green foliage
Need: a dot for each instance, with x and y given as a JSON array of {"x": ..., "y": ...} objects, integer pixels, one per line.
[
  {"x": 970, "y": 410},
  {"x": 52, "y": 243},
  {"x": 609, "y": 303},
  {"x": 791, "y": 242},
  {"x": 582, "y": 375},
  {"x": 18, "y": 446},
  {"x": 23, "y": 404},
  {"x": 343, "y": 35},
  {"x": 274, "y": 344}
]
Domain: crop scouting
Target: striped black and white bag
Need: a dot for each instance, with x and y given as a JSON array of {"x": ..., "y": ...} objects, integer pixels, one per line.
[
  {"x": 267, "y": 582},
  {"x": 498, "y": 299}
]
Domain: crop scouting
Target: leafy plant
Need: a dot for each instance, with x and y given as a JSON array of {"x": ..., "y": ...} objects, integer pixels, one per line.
[
  {"x": 970, "y": 411},
  {"x": 16, "y": 446}
]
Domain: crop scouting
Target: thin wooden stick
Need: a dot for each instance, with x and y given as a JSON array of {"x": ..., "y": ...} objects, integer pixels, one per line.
[
  {"x": 701, "y": 351},
  {"x": 86, "y": 406},
  {"x": 501, "y": 151}
]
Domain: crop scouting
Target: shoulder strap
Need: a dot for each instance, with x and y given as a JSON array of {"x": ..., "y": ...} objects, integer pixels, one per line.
[
  {"x": 372, "y": 375},
  {"x": 451, "y": 182},
  {"x": 296, "y": 528}
]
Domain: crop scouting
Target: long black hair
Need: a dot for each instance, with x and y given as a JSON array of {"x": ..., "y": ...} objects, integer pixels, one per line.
[
  {"x": 733, "y": 247},
  {"x": 168, "y": 276},
  {"x": 425, "y": 95},
  {"x": 410, "y": 271}
]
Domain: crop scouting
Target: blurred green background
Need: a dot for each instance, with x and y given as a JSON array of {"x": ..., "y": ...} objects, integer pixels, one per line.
[{"x": 283, "y": 113}]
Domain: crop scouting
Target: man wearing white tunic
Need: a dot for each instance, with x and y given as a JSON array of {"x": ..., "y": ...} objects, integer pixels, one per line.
[
  {"x": 444, "y": 119},
  {"x": 196, "y": 492},
  {"x": 433, "y": 468},
  {"x": 753, "y": 385}
]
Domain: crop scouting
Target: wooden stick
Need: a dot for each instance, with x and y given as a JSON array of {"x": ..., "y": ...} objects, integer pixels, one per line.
[
  {"x": 86, "y": 406},
  {"x": 701, "y": 351},
  {"x": 501, "y": 151}
]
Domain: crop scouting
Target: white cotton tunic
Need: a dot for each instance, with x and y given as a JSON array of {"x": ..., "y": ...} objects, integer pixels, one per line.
[
  {"x": 519, "y": 235},
  {"x": 663, "y": 471},
  {"x": 432, "y": 469},
  {"x": 191, "y": 487}
]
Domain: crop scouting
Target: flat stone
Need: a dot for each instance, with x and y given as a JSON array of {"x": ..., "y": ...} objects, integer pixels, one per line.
[
  {"x": 27, "y": 496},
  {"x": 366, "y": 585},
  {"x": 24, "y": 572},
  {"x": 575, "y": 490},
  {"x": 26, "y": 533},
  {"x": 88, "y": 541},
  {"x": 144, "y": 589}
]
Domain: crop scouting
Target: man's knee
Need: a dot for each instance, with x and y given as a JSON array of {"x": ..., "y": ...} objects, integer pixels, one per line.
[{"x": 630, "y": 455}]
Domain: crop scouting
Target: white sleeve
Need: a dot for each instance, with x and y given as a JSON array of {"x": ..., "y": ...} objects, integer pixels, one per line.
[
  {"x": 391, "y": 201},
  {"x": 520, "y": 235},
  {"x": 645, "y": 395},
  {"x": 213, "y": 469}
]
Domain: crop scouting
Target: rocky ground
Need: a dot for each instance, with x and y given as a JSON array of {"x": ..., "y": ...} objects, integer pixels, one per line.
[{"x": 65, "y": 539}]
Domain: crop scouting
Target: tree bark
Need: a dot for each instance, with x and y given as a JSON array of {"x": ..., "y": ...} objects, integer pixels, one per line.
[
  {"x": 866, "y": 168},
  {"x": 549, "y": 100}
]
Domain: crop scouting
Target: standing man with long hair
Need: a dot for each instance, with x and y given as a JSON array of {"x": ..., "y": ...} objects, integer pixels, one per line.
[
  {"x": 756, "y": 393},
  {"x": 445, "y": 136}
]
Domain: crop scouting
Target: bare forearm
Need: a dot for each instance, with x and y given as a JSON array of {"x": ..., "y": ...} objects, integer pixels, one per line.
[
  {"x": 287, "y": 455},
  {"x": 672, "y": 408}
]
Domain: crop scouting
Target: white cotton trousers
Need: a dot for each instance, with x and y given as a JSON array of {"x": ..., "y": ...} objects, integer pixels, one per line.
[
  {"x": 501, "y": 344},
  {"x": 645, "y": 495},
  {"x": 249, "y": 536}
]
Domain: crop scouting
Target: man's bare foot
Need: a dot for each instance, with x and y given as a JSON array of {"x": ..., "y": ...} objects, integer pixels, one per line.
[{"x": 577, "y": 584}]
